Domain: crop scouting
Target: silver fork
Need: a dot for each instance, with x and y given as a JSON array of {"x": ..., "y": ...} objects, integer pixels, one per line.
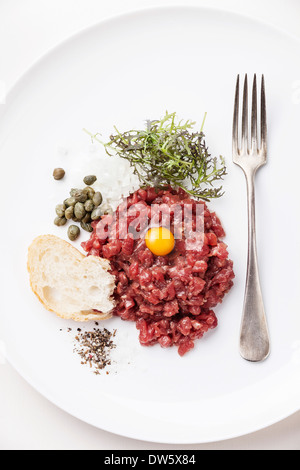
[{"x": 250, "y": 154}]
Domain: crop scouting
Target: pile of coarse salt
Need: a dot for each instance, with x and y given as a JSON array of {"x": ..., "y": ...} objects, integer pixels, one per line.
[{"x": 115, "y": 177}]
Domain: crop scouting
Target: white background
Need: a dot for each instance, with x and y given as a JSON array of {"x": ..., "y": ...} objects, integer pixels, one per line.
[{"x": 27, "y": 29}]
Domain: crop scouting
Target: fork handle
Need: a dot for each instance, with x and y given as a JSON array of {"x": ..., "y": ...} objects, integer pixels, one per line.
[{"x": 254, "y": 336}]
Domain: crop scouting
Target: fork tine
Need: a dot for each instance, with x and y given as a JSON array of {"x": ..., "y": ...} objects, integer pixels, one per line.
[
  {"x": 235, "y": 135},
  {"x": 245, "y": 117},
  {"x": 254, "y": 117},
  {"x": 263, "y": 117}
]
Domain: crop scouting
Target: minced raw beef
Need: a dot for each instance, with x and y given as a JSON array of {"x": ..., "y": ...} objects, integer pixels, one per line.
[{"x": 170, "y": 298}]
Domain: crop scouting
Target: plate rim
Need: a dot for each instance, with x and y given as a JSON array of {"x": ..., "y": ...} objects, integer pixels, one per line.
[
  {"x": 17, "y": 83},
  {"x": 136, "y": 11}
]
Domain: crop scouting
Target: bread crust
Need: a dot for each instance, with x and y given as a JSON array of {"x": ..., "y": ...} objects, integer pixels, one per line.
[{"x": 53, "y": 243}]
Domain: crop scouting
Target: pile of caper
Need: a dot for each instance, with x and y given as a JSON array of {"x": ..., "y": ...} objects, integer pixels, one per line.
[{"x": 83, "y": 207}]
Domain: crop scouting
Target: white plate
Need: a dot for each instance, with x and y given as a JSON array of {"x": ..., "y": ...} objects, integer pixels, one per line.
[{"x": 122, "y": 72}]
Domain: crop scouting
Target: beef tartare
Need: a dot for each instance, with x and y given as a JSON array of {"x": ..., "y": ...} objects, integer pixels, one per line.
[{"x": 171, "y": 298}]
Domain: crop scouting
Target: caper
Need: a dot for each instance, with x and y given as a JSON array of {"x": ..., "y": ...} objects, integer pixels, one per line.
[
  {"x": 86, "y": 226},
  {"x": 106, "y": 209},
  {"x": 89, "y": 180},
  {"x": 97, "y": 199},
  {"x": 89, "y": 192},
  {"x": 88, "y": 205},
  {"x": 79, "y": 210},
  {"x": 73, "y": 232},
  {"x": 86, "y": 218},
  {"x": 59, "y": 221},
  {"x": 80, "y": 195},
  {"x": 58, "y": 173},
  {"x": 70, "y": 201},
  {"x": 60, "y": 210},
  {"x": 96, "y": 214},
  {"x": 69, "y": 212},
  {"x": 73, "y": 191}
]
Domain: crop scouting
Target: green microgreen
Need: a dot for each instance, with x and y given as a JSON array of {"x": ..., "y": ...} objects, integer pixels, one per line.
[{"x": 169, "y": 152}]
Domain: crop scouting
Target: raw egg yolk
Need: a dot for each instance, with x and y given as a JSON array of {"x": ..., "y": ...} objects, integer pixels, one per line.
[{"x": 160, "y": 241}]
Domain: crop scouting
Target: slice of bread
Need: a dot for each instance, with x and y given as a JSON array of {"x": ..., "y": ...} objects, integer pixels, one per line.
[{"x": 68, "y": 283}]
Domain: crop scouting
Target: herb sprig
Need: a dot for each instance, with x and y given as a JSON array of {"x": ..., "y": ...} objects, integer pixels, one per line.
[{"x": 168, "y": 152}]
